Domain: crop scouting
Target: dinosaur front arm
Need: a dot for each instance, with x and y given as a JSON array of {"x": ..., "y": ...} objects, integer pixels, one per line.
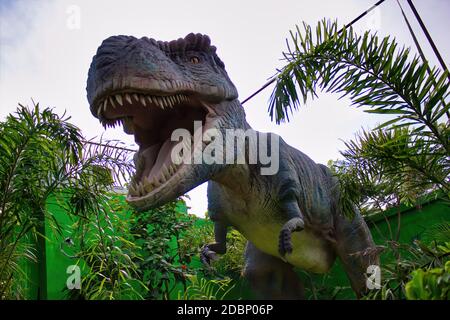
[{"x": 295, "y": 223}]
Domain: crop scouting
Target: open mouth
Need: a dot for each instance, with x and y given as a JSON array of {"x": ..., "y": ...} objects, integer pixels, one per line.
[{"x": 151, "y": 119}]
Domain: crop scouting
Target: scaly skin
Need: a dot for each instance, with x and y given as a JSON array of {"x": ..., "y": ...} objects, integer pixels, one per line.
[{"x": 290, "y": 218}]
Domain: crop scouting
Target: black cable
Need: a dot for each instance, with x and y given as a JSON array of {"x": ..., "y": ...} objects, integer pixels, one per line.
[{"x": 430, "y": 40}]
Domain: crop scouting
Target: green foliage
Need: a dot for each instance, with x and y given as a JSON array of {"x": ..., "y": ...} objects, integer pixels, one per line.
[
  {"x": 232, "y": 261},
  {"x": 107, "y": 255},
  {"x": 317, "y": 287},
  {"x": 409, "y": 163},
  {"x": 144, "y": 255},
  {"x": 433, "y": 284},
  {"x": 43, "y": 154},
  {"x": 383, "y": 169},
  {"x": 439, "y": 233},
  {"x": 206, "y": 289},
  {"x": 415, "y": 270},
  {"x": 404, "y": 157},
  {"x": 195, "y": 237},
  {"x": 372, "y": 72},
  {"x": 229, "y": 263},
  {"x": 164, "y": 263}
]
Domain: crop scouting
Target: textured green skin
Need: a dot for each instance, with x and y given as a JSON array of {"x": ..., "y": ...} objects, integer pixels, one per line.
[{"x": 303, "y": 196}]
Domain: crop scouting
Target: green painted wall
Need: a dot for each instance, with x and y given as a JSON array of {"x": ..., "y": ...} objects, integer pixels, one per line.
[{"x": 413, "y": 222}]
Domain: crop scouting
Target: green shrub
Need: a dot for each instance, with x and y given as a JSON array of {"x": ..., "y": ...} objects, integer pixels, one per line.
[{"x": 433, "y": 284}]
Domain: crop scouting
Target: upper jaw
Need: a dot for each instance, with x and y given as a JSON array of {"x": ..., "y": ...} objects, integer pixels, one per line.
[{"x": 118, "y": 84}]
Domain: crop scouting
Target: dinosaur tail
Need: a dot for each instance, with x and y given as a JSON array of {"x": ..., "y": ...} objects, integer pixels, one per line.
[{"x": 357, "y": 251}]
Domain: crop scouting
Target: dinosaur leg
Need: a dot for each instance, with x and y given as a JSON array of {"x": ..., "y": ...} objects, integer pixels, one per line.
[
  {"x": 215, "y": 211},
  {"x": 356, "y": 249},
  {"x": 209, "y": 251},
  {"x": 270, "y": 277}
]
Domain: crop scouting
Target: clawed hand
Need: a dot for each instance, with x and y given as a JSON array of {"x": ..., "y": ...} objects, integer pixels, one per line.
[
  {"x": 207, "y": 255},
  {"x": 284, "y": 243}
]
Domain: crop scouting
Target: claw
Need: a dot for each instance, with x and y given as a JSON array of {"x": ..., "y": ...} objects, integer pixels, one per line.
[
  {"x": 207, "y": 255},
  {"x": 284, "y": 241}
]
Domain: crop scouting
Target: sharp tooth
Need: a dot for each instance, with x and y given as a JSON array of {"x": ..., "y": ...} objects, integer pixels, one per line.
[
  {"x": 135, "y": 97},
  {"x": 142, "y": 100},
  {"x": 165, "y": 172},
  {"x": 128, "y": 98},
  {"x": 155, "y": 182},
  {"x": 149, "y": 99},
  {"x": 141, "y": 188},
  {"x": 119, "y": 99},
  {"x": 160, "y": 102},
  {"x": 164, "y": 101},
  {"x": 99, "y": 108},
  {"x": 148, "y": 185},
  {"x": 168, "y": 103},
  {"x": 172, "y": 100},
  {"x": 111, "y": 101},
  {"x": 132, "y": 190},
  {"x": 103, "y": 109}
]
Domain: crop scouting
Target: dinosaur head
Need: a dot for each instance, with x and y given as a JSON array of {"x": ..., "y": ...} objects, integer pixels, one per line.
[{"x": 152, "y": 88}]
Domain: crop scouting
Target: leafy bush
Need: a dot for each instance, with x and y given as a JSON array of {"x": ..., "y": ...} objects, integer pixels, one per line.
[
  {"x": 164, "y": 263},
  {"x": 399, "y": 277},
  {"x": 42, "y": 154},
  {"x": 433, "y": 284},
  {"x": 206, "y": 289},
  {"x": 107, "y": 255},
  {"x": 232, "y": 261}
]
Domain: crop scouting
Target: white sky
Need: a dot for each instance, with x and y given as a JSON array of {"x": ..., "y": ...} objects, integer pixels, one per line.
[{"x": 42, "y": 55}]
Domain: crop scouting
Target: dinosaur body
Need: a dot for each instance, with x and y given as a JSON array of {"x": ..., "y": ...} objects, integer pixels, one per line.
[{"x": 290, "y": 217}]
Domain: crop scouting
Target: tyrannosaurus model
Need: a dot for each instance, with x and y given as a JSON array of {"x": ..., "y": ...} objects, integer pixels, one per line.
[{"x": 290, "y": 218}]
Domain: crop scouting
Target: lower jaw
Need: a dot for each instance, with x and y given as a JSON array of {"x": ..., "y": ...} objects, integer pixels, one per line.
[
  {"x": 163, "y": 171},
  {"x": 171, "y": 190}
]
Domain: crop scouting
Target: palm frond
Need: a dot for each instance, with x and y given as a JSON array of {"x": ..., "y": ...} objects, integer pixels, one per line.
[{"x": 372, "y": 72}]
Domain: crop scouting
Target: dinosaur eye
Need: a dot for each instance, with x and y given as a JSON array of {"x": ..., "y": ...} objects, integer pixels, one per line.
[{"x": 195, "y": 60}]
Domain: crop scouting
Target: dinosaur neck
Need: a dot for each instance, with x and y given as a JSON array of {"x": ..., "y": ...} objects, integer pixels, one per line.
[
  {"x": 233, "y": 115},
  {"x": 233, "y": 176}
]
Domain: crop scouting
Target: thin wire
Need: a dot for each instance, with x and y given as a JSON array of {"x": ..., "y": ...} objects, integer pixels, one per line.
[
  {"x": 430, "y": 40},
  {"x": 422, "y": 55},
  {"x": 268, "y": 83}
]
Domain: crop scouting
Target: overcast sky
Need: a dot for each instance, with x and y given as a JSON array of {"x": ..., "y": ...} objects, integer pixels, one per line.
[{"x": 46, "y": 48}]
